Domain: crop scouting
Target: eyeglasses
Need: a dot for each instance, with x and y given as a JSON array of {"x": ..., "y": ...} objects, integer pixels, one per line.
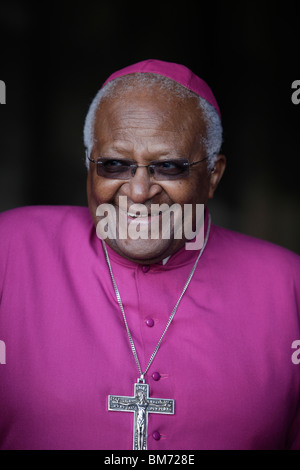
[{"x": 161, "y": 170}]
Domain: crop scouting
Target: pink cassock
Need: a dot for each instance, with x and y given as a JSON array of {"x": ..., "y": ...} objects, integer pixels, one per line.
[{"x": 226, "y": 359}]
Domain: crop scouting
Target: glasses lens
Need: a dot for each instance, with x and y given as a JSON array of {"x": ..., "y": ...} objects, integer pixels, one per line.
[
  {"x": 115, "y": 169},
  {"x": 124, "y": 169},
  {"x": 171, "y": 169}
]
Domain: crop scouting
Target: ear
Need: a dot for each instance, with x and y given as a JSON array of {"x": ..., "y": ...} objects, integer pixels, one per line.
[{"x": 216, "y": 174}]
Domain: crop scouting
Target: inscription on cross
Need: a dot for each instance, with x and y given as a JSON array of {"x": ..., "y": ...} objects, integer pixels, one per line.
[{"x": 140, "y": 404}]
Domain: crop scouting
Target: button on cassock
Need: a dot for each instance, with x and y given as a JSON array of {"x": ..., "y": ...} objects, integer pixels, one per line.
[
  {"x": 156, "y": 435},
  {"x": 156, "y": 376},
  {"x": 150, "y": 322}
]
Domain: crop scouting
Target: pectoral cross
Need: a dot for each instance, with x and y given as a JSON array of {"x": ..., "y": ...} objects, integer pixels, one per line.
[{"x": 140, "y": 404}]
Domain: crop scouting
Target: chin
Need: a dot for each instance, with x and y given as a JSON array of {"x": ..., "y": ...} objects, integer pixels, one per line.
[{"x": 143, "y": 250}]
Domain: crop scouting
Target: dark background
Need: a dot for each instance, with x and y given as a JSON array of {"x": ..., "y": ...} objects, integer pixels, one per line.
[{"x": 55, "y": 56}]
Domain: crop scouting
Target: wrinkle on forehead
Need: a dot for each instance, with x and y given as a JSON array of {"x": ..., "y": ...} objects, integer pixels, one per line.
[{"x": 149, "y": 114}]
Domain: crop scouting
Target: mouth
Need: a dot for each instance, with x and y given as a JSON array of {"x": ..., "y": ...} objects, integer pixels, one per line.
[
  {"x": 140, "y": 212},
  {"x": 154, "y": 222},
  {"x": 138, "y": 215}
]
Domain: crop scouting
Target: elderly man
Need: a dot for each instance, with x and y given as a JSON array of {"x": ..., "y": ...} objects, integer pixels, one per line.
[{"x": 138, "y": 342}]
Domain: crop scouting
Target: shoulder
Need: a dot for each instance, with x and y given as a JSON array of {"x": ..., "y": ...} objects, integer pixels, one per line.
[
  {"x": 36, "y": 222},
  {"x": 38, "y": 215},
  {"x": 253, "y": 252}
]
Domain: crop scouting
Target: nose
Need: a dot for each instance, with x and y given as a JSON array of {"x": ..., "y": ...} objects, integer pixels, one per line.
[{"x": 141, "y": 187}]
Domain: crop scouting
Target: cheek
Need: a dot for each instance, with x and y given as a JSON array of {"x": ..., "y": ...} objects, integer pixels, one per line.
[
  {"x": 200, "y": 188},
  {"x": 102, "y": 190},
  {"x": 187, "y": 191}
]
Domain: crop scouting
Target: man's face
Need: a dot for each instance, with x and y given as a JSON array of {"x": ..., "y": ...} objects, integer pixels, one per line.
[{"x": 145, "y": 126}]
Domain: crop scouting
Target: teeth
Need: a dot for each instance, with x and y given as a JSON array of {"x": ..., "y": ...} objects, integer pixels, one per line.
[
  {"x": 141, "y": 215},
  {"x": 135, "y": 215}
]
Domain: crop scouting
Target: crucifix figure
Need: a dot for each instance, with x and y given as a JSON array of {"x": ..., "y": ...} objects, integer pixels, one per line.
[{"x": 140, "y": 404}]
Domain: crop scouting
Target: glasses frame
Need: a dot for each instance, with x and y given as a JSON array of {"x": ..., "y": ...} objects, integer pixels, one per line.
[{"x": 152, "y": 165}]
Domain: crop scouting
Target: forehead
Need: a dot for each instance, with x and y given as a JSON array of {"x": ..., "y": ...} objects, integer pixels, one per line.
[{"x": 148, "y": 112}]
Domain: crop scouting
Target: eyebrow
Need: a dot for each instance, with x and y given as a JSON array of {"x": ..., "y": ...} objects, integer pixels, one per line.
[{"x": 160, "y": 154}]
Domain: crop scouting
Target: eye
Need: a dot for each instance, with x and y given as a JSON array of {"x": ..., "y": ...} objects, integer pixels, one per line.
[
  {"x": 115, "y": 165},
  {"x": 170, "y": 167}
]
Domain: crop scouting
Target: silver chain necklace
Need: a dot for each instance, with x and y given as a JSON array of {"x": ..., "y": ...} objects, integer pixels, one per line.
[{"x": 140, "y": 403}]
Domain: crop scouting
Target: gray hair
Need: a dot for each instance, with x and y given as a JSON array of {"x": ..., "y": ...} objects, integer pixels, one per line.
[{"x": 213, "y": 140}]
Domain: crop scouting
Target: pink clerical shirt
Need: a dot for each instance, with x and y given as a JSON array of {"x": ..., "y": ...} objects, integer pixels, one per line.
[{"x": 226, "y": 359}]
